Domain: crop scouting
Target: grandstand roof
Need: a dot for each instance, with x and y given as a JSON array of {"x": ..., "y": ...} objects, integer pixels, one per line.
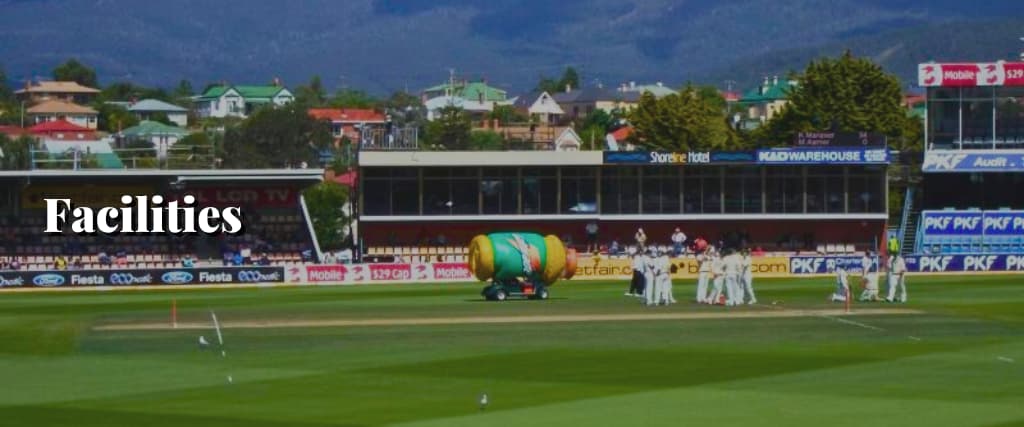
[
  {"x": 181, "y": 174},
  {"x": 480, "y": 158}
]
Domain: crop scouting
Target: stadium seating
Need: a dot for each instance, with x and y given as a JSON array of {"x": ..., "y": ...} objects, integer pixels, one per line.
[
  {"x": 978, "y": 241},
  {"x": 423, "y": 254},
  {"x": 281, "y": 237},
  {"x": 416, "y": 254}
]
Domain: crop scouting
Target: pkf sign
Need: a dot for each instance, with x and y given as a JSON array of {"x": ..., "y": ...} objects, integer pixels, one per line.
[{"x": 971, "y": 74}]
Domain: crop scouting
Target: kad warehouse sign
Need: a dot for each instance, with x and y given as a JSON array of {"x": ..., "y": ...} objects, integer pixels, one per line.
[
  {"x": 973, "y": 161},
  {"x": 832, "y": 156}
]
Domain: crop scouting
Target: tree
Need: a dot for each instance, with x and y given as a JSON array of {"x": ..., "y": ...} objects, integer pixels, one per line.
[
  {"x": 846, "y": 94},
  {"x": 15, "y": 152},
  {"x": 6, "y": 94},
  {"x": 508, "y": 114},
  {"x": 686, "y": 121},
  {"x": 72, "y": 70},
  {"x": 113, "y": 118},
  {"x": 486, "y": 140},
  {"x": 325, "y": 202},
  {"x": 312, "y": 94},
  {"x": 570, "y": 78},
  {"x": 183, "y": 90},
  {"x": 451, "y": 130},
  {"x": 405, "y": 109},
  {"x": 353, "y": 98},
  {"x": 276, "y": 137},
  {"x": 126, "y": 91}
]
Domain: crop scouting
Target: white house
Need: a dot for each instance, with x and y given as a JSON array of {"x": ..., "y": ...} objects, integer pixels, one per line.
[
  {"x": 473, "y": 108},
  {"x": 240, "y": 101},
  {"x": 147, "y": 108},
  {"x": 540, "y": 106},
  {"x": 568, "y": 141},
  {"x": 52, "y": 110}
]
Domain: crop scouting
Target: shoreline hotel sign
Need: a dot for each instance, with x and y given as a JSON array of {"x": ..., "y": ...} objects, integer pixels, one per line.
[{"x": 999, "y": 73}]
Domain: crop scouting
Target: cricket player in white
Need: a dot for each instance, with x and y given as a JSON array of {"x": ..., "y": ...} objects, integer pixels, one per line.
[
  {"x": 747, "y": 271},
  {"x": 870, "y": 280},
  {"x": 703, "y": 270},
  {"x": 842, "y": 285},
  {"x": 734, "y": 293},
  {"x": 664, "y": 279},
  {"x": 865, "y": 267},
  {"x": 897, "y": 273},
  {"x": 636, "y": 285},
  {"x": 650, "y": 274},
  {"x": 717, "y": 278}
]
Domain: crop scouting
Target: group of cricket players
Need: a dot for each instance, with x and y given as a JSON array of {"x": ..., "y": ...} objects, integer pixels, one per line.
[
  {"x": 652, "y": 277},
  {"x": 729, "y": 274},
  {"x": 727, "y": 278},
  {"x": 869, "y": 265}
]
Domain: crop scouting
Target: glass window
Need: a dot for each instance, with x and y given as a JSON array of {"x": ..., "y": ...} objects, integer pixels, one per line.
[
  {"x": 373, "y": 204},
  {"x": 629, "y": 182},
  {"x": 619, "y": 192},
  {"x": 540, "y": 191},
  {"x": 436, "y": 200},
  {"x": 500, "y": 191},
  {"x": 692, "y": 187},
  {"x": 711, "y": 191},
  {"x": 405, "y": 197},
  {"x": 579, "y": 190},
  {"x": 661, "y": 190},
  {"x": 465, "y": 197},
  {"x": 835, "y": 195},
  {"x": 782, "y": 184},
  {"x": 742, "y": 189},
  {"x": 815, "y": 194},
  {"x": 1010, "y": 115},
  {"x": 943, "y": 122},
  {"x": 978, "y": 122},
  {"x": 609, "y": 191}
]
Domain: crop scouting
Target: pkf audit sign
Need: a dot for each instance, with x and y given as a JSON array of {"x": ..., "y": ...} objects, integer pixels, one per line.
[{"x": 971, "y": 74}]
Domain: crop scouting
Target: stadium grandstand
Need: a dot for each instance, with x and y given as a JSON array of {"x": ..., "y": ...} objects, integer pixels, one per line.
[
  {"x": 969, "y": 201},
  {"x": 419, "y": 206},
  {"x": 275, "y": 220}
]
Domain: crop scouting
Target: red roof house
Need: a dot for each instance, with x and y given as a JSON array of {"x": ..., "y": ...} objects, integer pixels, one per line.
[
  {"x": 344, "y": 121},
  {"x": 62, "y": 129}
]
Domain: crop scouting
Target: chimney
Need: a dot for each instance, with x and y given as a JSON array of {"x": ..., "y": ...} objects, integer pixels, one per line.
[
  {"x": 632, "y": 85},
  {"x": 277, "y": 81},
  {"x": 660, "y": 84},
  {"x": 775, "y": 81},
  {"x": 568, "y": 87}
]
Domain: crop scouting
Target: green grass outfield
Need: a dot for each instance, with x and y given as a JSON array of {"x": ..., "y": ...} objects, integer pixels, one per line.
[{"x": 959, "y": 361}]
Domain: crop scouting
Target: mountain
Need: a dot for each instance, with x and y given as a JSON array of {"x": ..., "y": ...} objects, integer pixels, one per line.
[{"x": 385, "y": 45}]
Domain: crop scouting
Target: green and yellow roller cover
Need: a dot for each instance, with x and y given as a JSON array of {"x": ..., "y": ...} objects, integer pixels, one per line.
[{"x": 503, "y": 256}]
